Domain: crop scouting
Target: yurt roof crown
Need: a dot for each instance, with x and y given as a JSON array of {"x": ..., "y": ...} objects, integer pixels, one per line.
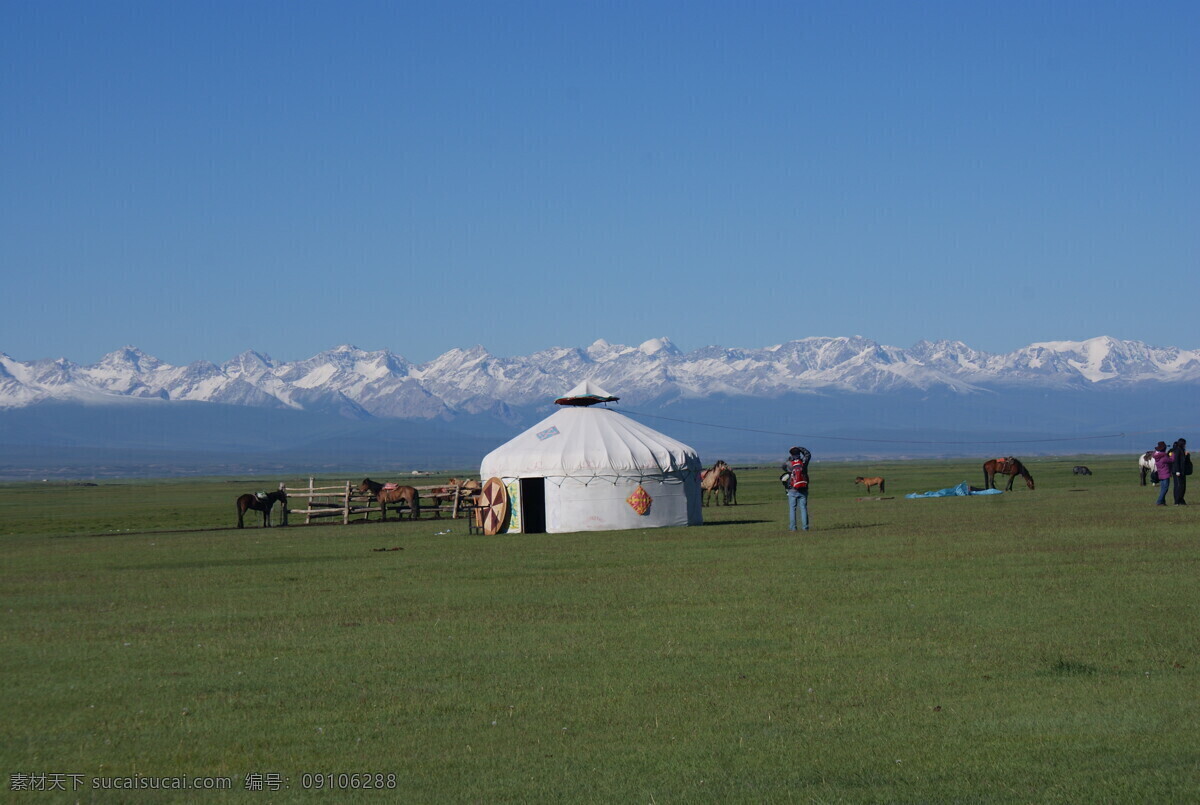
[{"x": 586, "y": 393}]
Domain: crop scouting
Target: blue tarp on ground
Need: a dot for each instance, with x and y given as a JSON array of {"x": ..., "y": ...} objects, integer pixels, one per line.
[{"x": 962, "y": 490}]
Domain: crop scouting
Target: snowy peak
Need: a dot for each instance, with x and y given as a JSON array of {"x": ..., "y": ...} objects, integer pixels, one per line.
[
  {"x": 249, "y": 363},
  {"x": 601, "y": 351},
  {"x": 129, "y": 359},
  {"x": 948, "y": 355},
  {"x": 1095, "y": 359},
  {"x": 1101, "y": 360},
  {"x": 660, "y": 347}
]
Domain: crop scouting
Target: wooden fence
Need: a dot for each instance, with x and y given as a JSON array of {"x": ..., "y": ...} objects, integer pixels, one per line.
[{"x": 345, "y": 501}]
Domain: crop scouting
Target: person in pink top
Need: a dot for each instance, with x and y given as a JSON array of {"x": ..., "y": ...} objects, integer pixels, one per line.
[{"x": 1162, "y": 471}]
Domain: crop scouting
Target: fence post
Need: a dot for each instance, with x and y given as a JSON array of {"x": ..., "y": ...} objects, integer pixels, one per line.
[
  {"x": 283, "y": 489},
  {"x": 346, "y": 503},
  {"x": 308, "y": 514}
]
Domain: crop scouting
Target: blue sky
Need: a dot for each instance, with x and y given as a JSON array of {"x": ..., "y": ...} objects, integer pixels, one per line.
[{"x": 202, "y": 178}]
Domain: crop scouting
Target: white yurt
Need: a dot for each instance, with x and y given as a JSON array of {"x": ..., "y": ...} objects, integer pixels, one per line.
[{"x": 588, "y": 468}]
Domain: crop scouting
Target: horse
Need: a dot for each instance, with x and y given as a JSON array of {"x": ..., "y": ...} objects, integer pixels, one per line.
[
  {"x": 469, "y": 492},
  {"x": 464, "y": 491},
  {"x": 1081, "y": 470},
  {"x": 467, "y": 489},
  {"x": 727, "y": 485},
  {"x": 709, "y": 479},
  {"x": 1147, "y": 466},
  {"x": 262, "y": 502},
  {"x": 870, "y": 482},
  {"x": 391, "y": 493},
  {"x": 720, "y": 484},
  {"x": 707, "y": 473},
  {"x": 1005, "y": 466}
]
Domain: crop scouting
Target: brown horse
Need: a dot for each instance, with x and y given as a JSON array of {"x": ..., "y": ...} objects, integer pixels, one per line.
[
  {"x": 1005, "y": 466},
  {"x": 261, "y": 503},
  {"x": 386, "y": 494},
  {"x": 870, "y": 482},
  {"x": 727, "y": 485}
]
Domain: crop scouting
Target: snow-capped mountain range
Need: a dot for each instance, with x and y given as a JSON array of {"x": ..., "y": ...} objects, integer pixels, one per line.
[{"x": 363, "y": 384}]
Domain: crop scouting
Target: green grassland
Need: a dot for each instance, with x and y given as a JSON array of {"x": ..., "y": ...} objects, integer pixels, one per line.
[{"x": 1028, "y": 647}]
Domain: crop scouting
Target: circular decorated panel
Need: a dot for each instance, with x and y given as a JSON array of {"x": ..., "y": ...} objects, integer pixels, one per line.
[{"x": 494, "y": 500}]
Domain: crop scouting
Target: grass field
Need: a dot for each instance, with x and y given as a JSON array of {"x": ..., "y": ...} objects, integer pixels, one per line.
[{"x": 1028, "y": 647}]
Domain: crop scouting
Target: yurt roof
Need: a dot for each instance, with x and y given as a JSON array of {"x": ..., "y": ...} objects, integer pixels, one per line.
[{"x": 589, "y": 441}]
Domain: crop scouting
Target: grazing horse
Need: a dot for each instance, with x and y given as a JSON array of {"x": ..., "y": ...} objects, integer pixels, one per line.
[
  {"x": 262, "y": 502},
  {"x": 710, "y": 478},
  {"x": 1081, "y": 470},
  {"x": 870, "y": 482},
  {"x": 1147, "y": 466},
  {"x": 1005, "y": 466},
  {"x": 390, "y": 493}
]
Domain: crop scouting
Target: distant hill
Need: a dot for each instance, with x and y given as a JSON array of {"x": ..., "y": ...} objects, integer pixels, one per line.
[
  {"x": 131, "y": 414},
  {"x": 70, "y": 440}
]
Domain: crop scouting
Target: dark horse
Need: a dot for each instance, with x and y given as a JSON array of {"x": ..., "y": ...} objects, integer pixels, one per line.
[
  {"x": 395, "y": 494},
  {"x": 727, "y": 485},
  {"x": 1005, "y": 466},
  {"x": 263, "y": 504}
]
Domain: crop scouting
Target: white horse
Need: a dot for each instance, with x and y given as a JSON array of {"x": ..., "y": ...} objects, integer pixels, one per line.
[{"x": 1146, "y": 463}]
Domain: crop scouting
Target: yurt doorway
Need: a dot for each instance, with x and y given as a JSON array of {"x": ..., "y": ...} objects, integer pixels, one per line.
[{"x": 533, "y": 505}]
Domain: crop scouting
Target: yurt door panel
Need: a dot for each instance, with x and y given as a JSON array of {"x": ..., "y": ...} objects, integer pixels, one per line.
[{"x": 533, "y": 505}]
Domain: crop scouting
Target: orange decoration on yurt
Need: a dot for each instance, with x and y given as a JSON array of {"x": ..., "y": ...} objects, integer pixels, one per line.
[{"x": 640, "y": 500}]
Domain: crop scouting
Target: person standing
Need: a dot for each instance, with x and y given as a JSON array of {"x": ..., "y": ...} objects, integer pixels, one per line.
[
  {"x": 796, "y": 468},
  {"x": 1162, "y": 471},
  {"x": 1181, "y": 465}
]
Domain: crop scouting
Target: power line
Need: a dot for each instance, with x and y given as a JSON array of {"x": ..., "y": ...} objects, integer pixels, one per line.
[{"x": 887, "y": 441}]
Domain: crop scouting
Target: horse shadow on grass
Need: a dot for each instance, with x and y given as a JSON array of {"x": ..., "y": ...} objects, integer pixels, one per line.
[
  {"x": 264, "y": 562},
  {"x": 834, "y": 527},
  {"x": 849, "y": 526}
]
